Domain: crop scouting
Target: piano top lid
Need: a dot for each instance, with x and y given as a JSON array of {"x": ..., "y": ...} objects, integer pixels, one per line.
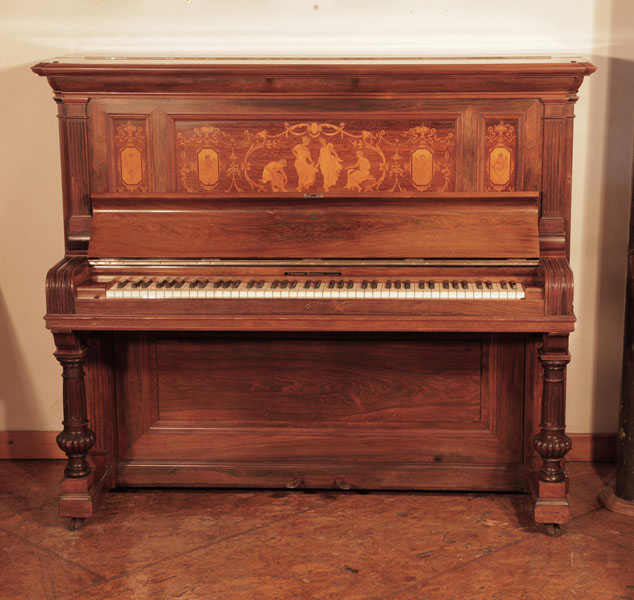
[
  {"x": 482, "y": 76},
  {"x": 180, "y": 59}
]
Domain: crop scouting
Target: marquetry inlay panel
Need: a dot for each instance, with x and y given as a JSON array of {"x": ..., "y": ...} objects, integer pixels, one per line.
[
  {"x": 130, "y": 149},
  {"x": 315, "y": 156},
  {"x": 500, "y": 155}
]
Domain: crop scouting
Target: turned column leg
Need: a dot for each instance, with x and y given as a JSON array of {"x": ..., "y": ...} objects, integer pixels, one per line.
[
  {"x": 76, "y": 439},
  {"x": 552, "y": 443}
]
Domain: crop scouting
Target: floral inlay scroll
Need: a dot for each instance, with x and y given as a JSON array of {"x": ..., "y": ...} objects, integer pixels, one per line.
[{"x": 315, "y": 157}]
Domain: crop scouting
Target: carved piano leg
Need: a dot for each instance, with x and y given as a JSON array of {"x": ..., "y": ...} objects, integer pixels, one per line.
[
  {"x": 552, "y": 443},
  {"x": 82, "y": 487}
]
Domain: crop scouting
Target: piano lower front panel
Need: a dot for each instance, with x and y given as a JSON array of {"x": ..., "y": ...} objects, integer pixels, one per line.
[{"x": 391, "y": 411}]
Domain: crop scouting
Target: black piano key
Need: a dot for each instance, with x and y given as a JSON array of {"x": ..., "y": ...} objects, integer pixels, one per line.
[
  {"x": 123, "y": 283},
  {"x": 513, "y": 285},
  {"x": 479, "y": 285},
  {"x": 489, "y": 285},
  {"x": 374, "y": 284},
  {"x": 260, "y": 284},
  {"x": 218, "y": 283},
  {"x": 454, "y": 285},
  {"x": 445, "y": 285},
  {"x": 331, "y": 284},
  {"x": 226, "y": 284},
  {"x": 307, "y": 284},
  {"x": 162, "y": 284},
  {"x": 147, "y": 283},
  {"x": 317, "y": 284},
  {"x": 503, "y": 285},
  {"x": 431, "y": 285},
  {"x": 350, "y": 284},
  {"x": 171, "y": 284},
  {"x": 284, "y": 284},
  {"x": 137, "y": 284},
  {"x": 388, "y": 285},
  {"x": 204, "y": 284},
  {"x": 194, "y": 284},
  {"x": 397, "y": 284},
  {"x": 293, "y": 284},
  {"x": 236, "y": 284},
  {"x": 364, "y": 285},
  {"x": 180, "y": 284},
  {"x": 465, "y": 285},
  {"x": 340, "y": 284},
  {"x": 407, "y": 284},
  {"x": 275, "y": 284},
  {"x": 421, "y": 285},
  {"x": 250, "y": 284}
]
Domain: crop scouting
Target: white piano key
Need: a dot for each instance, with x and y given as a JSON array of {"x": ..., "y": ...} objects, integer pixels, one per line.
[
  {"x": 520, "y": 291},
  {"x": 511, "y": 293}
]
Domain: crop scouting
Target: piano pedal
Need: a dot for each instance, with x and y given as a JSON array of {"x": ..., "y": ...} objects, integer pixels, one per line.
[
  {"x": 341, "y": 483},
  {"x": 295, "y": 483}
]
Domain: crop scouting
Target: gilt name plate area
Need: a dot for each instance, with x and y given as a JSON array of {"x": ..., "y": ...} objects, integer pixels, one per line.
[{"x": 316, "y": 156}]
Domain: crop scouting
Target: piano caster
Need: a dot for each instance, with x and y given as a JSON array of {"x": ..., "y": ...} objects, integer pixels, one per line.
[
  {"x": 553, "y": 529},
  {"x": 75, "y": 523}
]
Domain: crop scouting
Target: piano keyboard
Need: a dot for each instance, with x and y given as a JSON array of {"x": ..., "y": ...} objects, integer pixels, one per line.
[{"x": 393, "y": 289}]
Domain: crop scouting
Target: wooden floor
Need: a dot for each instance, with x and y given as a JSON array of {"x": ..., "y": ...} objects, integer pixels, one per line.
[{"x": 278, "y": 545}]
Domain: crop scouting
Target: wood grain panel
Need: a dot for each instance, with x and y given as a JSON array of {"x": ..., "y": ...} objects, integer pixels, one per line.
[
  {"x": 251, "y": 403},
  {"x": 361, "y": 227},
  {"x": 303, "y": 382}
]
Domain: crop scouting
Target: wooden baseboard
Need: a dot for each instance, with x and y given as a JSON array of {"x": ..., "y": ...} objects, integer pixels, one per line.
[
  {"x": 29, "y": 444},
  {"x": 586, "y": 447},
  {"x": 592, "y": 447}
]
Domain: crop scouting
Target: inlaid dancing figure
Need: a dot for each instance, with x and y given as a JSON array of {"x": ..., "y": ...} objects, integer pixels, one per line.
[
  {"x": 329, "y": 164},
  {"x": 304, "y": 165}
]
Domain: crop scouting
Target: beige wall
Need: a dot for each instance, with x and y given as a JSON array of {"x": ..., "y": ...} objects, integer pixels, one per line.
[{"x": 30, "y": 203}]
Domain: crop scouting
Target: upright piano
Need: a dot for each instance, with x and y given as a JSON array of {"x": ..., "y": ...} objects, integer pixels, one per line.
[{"x": 314, "y": 273}]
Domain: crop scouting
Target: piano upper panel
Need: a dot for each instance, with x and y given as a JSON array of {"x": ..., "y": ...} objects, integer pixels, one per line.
[{"x": 224, "y": 127}]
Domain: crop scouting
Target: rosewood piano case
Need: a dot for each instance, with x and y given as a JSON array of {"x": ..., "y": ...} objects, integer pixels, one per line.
[{"x": 400, "y": 169}]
